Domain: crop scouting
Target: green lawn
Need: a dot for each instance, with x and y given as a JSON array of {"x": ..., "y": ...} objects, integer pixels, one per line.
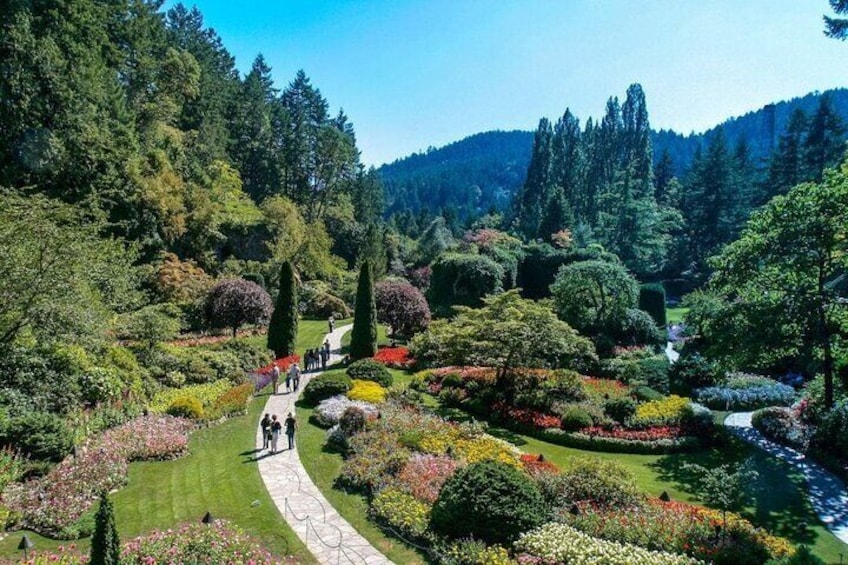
[
  {"x": 382, "y": 339},
  {"x": 675, "y": 315}
]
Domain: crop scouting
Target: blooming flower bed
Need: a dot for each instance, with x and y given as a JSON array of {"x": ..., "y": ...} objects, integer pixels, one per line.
[
  {"x": 330, "y": 410},
  {"x": 560, "y": 543},
  {"x": 665, "y": 412},
  {"x": 424, "y": 475},
  {"x": 752, "y": 398},
  {"x": 262, "y": 377},
  {"x": 648, "y": 434},
  {"x": 206, "y": 393},
  {"x": 526, "y": 417},
  {"x": 367, "y": 391},
  {"x": 601, "y": 389},
  {"x": 402, "y": 511},
  {"x": 52, "y": 504},
  {"x": 397, "y": 357}
]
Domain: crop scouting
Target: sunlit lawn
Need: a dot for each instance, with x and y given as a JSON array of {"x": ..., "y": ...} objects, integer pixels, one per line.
[{"x": 675, "y": 315}]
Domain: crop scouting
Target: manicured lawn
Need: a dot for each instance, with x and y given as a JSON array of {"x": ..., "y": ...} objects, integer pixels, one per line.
[
  {"x": 675, "y": 315},
  {"x": 382, "y": 339},
  {"x": 310, "y": 334}
]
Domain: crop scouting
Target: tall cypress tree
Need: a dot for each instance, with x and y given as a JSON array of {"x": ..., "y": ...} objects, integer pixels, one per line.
[
  {"x": 282, "y": 330},
  {"x": 105, "y": 545},
  {"x": 363, "y": 339}
]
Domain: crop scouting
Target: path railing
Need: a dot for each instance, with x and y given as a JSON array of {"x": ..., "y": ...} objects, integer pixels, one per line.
[{"x": 350, "y": 554}]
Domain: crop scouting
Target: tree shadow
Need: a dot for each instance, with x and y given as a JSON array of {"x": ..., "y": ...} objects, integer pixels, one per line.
[{"x": 507, "y": 435}]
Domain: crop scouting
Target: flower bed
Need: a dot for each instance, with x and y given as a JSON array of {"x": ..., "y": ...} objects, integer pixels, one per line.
[
  {"x": 665, "y": 412},
  {"x": 330, "y": 410},
  {"x": 367, "y": 391},
  {"x": 402, "y": 511},
  {"x": 396, "y": 357},
  {"x": 51, "y": 505},
  {"x": 262, "y": 377},
  {"x": 206, "y": 394},
  {"x": 781, "y": 425},
  {"x": 601, "y": 389},
  {"x": 612, "y": 444},
  {"x": 526, "y": 416},
  {"x": 752, "y": 398},
  {"x": 560, "y": 543},
  {"x": 424, "y": 475}
]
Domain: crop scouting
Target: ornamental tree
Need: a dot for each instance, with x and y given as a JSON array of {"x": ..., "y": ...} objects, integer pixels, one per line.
[
  {"x": 402, "y": 307},
  {"x": 231, "y": 303},
  {"x": 105, "y": 545},
  {"x": 282, "y": 330},
  {"x": 363, "y": 338}
]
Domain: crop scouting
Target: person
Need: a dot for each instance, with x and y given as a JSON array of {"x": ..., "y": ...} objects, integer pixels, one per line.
[
  {"x": 275, "y": 376},
  {"x": 325, "y": 355},
  {"x": 265, "y": 424},
  {"x": 291, "y": 425},
  {"x": 331, "y": 321},
  {"x": 288, "y": 380},
  {"x": 276, "y": 428},
  {"x": 294, "y": 374}
]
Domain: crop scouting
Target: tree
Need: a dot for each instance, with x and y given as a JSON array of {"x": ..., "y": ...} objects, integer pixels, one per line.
[
  {"x": 282, "y": 330},
  {"x": 823, "y": 145},
  {"x": 837, "y": 28},
  {"x": 105, "y": 545},
  {"x": 402, "y": 307},
  {"x": 153, "y": 324},
  {"x": 463, "y": 279},
  {"x": 594, "y": 295},
  {"x": 231, "y": 303},
  {"x": 506, "y": 333},
  {"x": 727, "y": 487},
  {"x": 776, "y": 297},
  {"x": 363, "y": 339}
]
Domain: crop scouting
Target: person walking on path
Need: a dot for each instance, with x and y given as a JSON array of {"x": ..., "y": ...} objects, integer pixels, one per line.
[
  {"x": 265, "y": 424},
  {"x": 291, "y": 426},
  {"x": 294, "y": 374},
  {"x": 325, "y": 355},
  {"x": 288, "y": 380},
  {"x": 275, "y": 376},
  {"x": 331, "y": 321},
  {"x": 276, "y": 428}
]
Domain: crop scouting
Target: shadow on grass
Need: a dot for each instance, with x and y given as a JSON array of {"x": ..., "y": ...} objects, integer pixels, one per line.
[{"x": 507, "y": 435}]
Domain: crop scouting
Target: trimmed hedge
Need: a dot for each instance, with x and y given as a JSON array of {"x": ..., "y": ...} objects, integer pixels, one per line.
[
  {"x": 614, "y": 445},
  {"x": 370, "y": 370},
  {"x": 652, "y": 301},
  {"x": 326, "y": 386}
]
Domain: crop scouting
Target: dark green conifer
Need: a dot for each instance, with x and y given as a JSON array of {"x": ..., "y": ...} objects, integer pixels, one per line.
[
  {"x": 363, "y": 339},
  {"x": 282, "y": 331},
  {"x": 105, "y": 545}
]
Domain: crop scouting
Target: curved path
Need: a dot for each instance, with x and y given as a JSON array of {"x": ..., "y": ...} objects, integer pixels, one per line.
[
  {"x": 826, "y": 492},
  {"x": 330, "y": 538}
]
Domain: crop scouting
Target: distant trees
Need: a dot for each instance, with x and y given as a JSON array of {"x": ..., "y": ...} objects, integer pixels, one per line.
[
  {"x": 363, "y": 338},
  {"x": 232, "y": 303},
  {"x": 282, "y": 329},
  {"x": 463, "y": 279}
]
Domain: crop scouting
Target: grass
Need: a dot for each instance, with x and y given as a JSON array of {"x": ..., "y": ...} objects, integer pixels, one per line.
[
  {"x": 675, "y": 315},
  {"x": 382, "y": 338}
]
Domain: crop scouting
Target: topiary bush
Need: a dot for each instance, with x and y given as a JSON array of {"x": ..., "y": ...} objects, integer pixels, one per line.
[
  {"x": 490, "y": 501},
  {"x": 402, "y": 307},
  {"x": 652, "y": 301},
  {"x": 575, "y": 418},
  {"x": 186, "y": 407},
  {"x": 326, "y": 386},
  {"x": 232, "y": 303},
  {"x": 370, "y": 370},
  {"x": 588, "y": 479}
]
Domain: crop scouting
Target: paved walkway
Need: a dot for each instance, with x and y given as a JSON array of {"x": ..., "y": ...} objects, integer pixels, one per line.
[
  {"x": 330, "y": 538},
  {"x": 826, "y": 492}
]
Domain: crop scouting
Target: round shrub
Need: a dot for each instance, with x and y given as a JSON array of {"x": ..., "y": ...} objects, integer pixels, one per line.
[
  {"x": 490, "y": 501},
  {"x": 326, "y": 386},
  {"x": 604, "y": 483},
  {"x": 620, "y": 409},
  {"x": 186, "y": 407},
  {"x": 691, "y": 371},
  {"x": 367, "y": 391},
  {"x": 575, "y": 418},
  {"x": 780, "y": 425},
  {"x": 644, "y": 393},
  {"x": 352, "y": 421},
  {"x": 370, "y": 370},
  {"x": 39, "y": 435},
  {"x": 231, "y": 303},
  {"x": 832, "y": 434},
  {"x": 697, "y": 420},
  {"x": 402, "y": 307}
]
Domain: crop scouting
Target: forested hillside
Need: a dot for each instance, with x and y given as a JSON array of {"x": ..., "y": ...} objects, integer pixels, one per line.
[{"x": 495, "y": 162}]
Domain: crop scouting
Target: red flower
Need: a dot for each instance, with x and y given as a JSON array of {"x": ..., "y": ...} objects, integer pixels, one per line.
[
  {"x": 283, "y": 363},
  {"x": 397, "y": 357}
]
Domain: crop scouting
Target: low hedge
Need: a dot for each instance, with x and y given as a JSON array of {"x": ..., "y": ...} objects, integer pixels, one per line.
[
  {"x": 326, "y": 386},
  {"x": 615, "y": 445},
  {"x": 370, "y": 370}
]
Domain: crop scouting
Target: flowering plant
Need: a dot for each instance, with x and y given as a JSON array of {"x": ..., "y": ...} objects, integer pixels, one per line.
[
  {"x": 397, "y": 357},
  {"x": 664, "y": 412},
  {"x": 527, "y": 416},
  {"x": 367, "y": 391},
  {"x": 599, "y": 389},
  {"x": 402, "y": 511},
  {"x": 330, "y": 410},
  {"x": 648, "y": 434},
  {"x": 424, "y": 475}
]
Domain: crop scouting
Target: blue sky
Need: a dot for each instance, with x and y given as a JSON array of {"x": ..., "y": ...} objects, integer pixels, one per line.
[{"x": 425, "y": 73}]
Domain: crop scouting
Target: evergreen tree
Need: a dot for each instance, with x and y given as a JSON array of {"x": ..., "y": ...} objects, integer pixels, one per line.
[
  {"x": 556, "y": 215},
  {"x": 566, "y": 168},
  {"x": 530, "y": 200},
  {"x": 786, "y": 168},
  {"x": 823, "y": 147},
  {"x": 363, "y": 339},
  {"x": 663, "y": 173},
  {"x": 837, "y": 28},
  {"x": 282, "y": 330},
  {"x": 105, "y": 545}
]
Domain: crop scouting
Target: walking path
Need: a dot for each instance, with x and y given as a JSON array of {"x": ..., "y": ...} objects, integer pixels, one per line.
[
  {"x": 330, "y": 538},
  {"x": 826, "y": 492}
]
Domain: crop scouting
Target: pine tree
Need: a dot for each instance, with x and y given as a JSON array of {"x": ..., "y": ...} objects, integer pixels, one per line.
[
  {"x": 531, "y": 198},
  {"x": 823, "y": 146},
  {"x": 786, "y": 168},
  {"x": 105, "y": 545},
  {"x": 282, "y": 330},
  {"x": 363, "y": 339}
]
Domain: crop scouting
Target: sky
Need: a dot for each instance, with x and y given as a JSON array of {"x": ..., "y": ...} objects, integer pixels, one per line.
[{"x": 415, "y": 74}]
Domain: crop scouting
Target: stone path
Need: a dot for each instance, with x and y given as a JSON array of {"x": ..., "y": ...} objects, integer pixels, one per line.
[
  {"x": 330, "y": 538},
  {"x": 826, "y": 492}
]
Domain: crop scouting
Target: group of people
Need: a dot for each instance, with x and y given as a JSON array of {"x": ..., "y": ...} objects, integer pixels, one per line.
[
  {"x": 318, "y": 357},
  {"x": 292, "y": 377},
  {"x": 272, "y": 428}
]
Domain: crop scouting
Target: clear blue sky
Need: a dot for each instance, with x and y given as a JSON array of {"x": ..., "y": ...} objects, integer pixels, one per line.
[{"x": 415, "y": 74}]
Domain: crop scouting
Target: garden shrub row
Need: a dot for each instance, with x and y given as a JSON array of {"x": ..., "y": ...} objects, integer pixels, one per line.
[
  {"x": 580, "y": 440},
  {"x": 726, "y": 398}
]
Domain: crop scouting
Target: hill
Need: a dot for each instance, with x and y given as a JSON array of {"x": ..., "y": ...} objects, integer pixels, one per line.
[{"x": 484, "y": 170}]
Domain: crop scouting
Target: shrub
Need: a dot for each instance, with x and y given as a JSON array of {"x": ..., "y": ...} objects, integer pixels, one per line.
[
  {"x": 636, "y": 327},
  {"x": 652, "y": 301},
  {"x": 620, "y": 409},
  {"x": 489, "y": 500},
  {"x": 475, "y": 552},
  {"x": 352, "y": 421},
  {"x": 689, "y": 372},
  {"x": 575, "y": 418},
  {"x": 282, "y": 329},
  {"x": 326, "y": 386},
  {"x": 232, "y": 402},
  {"x": 697, "y": 421},
  {"x": 664, "y": 412},
  {"x": 322, "y": 305},
  {"x": 370, "y": 370},
  {"x": 831, "y": 436},
  {"x": 397, "y": 357},
  {"x": 644, "y": 393},
  {"x": 463, "y": 279},
  {"x": 367, "y": 391},
  {"x": 206, "y": 394},
  {"x": 402, "y": 307},
  {"x": 363, "y": 336},
  {"x": 231, "y": 303},
  {"x": 723, "y": 398},
  {"x": 588, "y": 479},
  {"x": 39, "y": 435},
  {"x": 402, "y": 511},
  {"x": 186, "y": 407},
  {"x": 329, "y": 411}
]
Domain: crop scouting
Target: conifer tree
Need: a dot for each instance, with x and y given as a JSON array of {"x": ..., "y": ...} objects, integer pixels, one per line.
[
  {"x": 105, "y": 545},
  {"x": 786, "y": 168},
  {"x": 823, "y": 146},
  {"x": 363, "y": 339},
  {"x": 282, "y": 331}
]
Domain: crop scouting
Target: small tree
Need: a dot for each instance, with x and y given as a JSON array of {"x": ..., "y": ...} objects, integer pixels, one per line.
[
  {"x": 231, "y": 303},
  {"x": 153, "y": 324},
  {"x": 105, "y": 545},
  {"x": 363, "y": 339},
  {"x": 402, "y": 307},
  {"x": 727, "y": 487},
  {"x": 282, "y": 331}
]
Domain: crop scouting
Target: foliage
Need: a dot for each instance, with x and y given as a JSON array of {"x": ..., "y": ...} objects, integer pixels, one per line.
[
  {"x": 204, "y": 394},
  {"x": 363, "y": 339},
  {"x": 491, "y": 501},
  {"x": 105, "y": 545},
  {"x": 282, "y": 329},
  {"x": 370, "y": 370},
  {"x": 235, "y": 302},
  {"x": 180, "y": 282},
  {"x": 402, "y": 511},
  {"x": 831, "y": 436},
  {"x": 153, "y": 324},
  {"x": 560, "y": 543},
  {"x": 620, "y": 409},
  {"x": 574, "y": 418},
  {"x": 462, "y": 280},
  {"x": 475, "y": 552},
  {"x": 691, "y": 371},
  {"x": 725, "y": 487},
  {"x": 396, "y": 357},
  {"x": 652, "y": 301},
  {"x": 666, "y": 412},
  {"x": 317, "y": 303},
  {"x": 186, "y": 406},
  {"x": 352, "y": 421},
  {"x": 507, "y": 332},
  {"x": 325, "y": 386},
  {"x": 588, "y": 479},
  {"x": 367, "y": 391},
  {"x": 233, "y": 402},
  {"x": 39, "y": 435},
  {"x": 402, "y": 307},
  {"x": 329, "y": 411},
  {"x": 726, "y": 398},
  {"x": 781, "y": 425}
]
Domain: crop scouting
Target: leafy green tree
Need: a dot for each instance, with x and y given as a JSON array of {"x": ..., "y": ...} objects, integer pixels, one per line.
[
  {"x": 363, "y": 338},
  {"x": 506, "y": 333},
  {"x": 776, "y": 296},
  {"x": 726, "y": 487},
  {"x": 105, "y": 544},
  {"x": 282, "y": 329},
  {"x": 463, "y": 279},
  {"x": 153, "y": 324}
]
